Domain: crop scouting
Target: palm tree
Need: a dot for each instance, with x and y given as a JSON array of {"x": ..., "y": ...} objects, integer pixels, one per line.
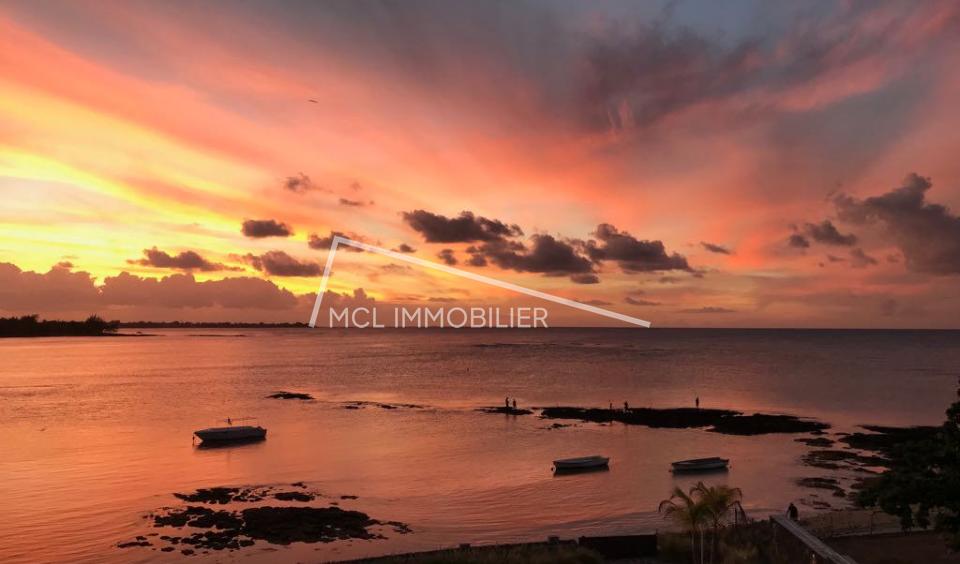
[
  {"x": 689, "y": 513},
  {"x": 718, "y": 502}
]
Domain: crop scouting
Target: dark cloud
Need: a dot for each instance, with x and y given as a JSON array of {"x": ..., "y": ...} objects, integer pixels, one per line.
[
  {"x": 28, "y": 292},
  {"x": 404, "y": 248},
  {"x": 396, "y": 268},
  {"x": 798, "y": 241},
  {"x": 466, "y": 228},
  {"x": 825, "y": 232},
  {"x": 355, "y": 203},
  {"x": 183, "y": 291},
  {"x": 447, "y": 256},
  {"x": 279, "y": 263},
  {"x": 63, "y": 291},
  {"x": 636, "y": 76},
  {"x": 632, "y": 254},
  {"x": 635, "y": 79},
  {"x": 476, "y": 257},
  {"x": 833, "y": 258},
  {"x": 860, "y": 259},
  {"x": 719, "y": 249},
  {"x": 595, "y": 302},
  {"x": 548, "y": 256},
  {"x": 323, "y": 243},
  {"x": 636, "y": 301},
  {"x": 259, "y": 228},
  {"x": 185, "y": 260},
  {"x": 585, "y": 278},
  {"x": 300, "y": 183},
  {"x": 927, "y": 234},
  {"x": 65, "y": 264},
  {"x": 708, "y": 309}
]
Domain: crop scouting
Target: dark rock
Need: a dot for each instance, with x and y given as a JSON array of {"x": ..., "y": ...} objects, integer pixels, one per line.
[
  {"x": 349, "y": 497},
  {"x": 718, "y": 420},
  {"x": 837, "y": 459},
  {"x": 363, "y": 404},
  {"x": 179, "y": 518},
  {"x": 210, "y": 495},
  {"x": 222, "y": 495},
  {"x": 283, "y": 525},
  {"x": 824, "y": 484},
  {"x": 817, "y": 442},
  {"x": 762, "y": 424},
  {"x": 167, "y": 549},
  {"x": 505, "y": 410},
  {"x": 186, "y": 552},
  {"x": 885, "y": 439},
  {"x": 293, "y": 496},
  {"x": 290, "y": 395},
  {"x": 133, "y": 543}
]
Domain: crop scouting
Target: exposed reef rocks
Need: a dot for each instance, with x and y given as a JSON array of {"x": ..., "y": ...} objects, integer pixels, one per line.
[
  {"x": 290, "y": 396},
  {"x": 724, "y": 421},
  {"x": 244, "y": 524}
]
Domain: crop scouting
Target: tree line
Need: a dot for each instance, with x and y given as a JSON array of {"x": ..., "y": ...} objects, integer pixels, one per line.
[{"x": 33, "y": 326}]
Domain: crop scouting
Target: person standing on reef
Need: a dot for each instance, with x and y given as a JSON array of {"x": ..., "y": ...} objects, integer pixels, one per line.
[
  {"x": 514, "y": 403},
  {"x": 626, "y": 406},
  {"x": 698, "y": 402},
  {"x": 792, "y": 512},
  {"x": 506, "y": 402}
]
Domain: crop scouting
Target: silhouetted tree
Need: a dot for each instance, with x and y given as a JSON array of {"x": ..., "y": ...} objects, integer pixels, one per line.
[
  {"x": 922, "y": 486},
  {"x": 32, "y": 326}
]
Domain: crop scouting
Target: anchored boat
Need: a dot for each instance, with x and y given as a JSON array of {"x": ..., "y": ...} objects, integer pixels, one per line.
[
  {"x": 231, "y": 433},
  {"x": 594, "y": 462},
  {"x": 701, "y": 464}
]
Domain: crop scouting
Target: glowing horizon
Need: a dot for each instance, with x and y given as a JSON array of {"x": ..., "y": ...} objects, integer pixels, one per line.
[{"x": 691, "y": 165}]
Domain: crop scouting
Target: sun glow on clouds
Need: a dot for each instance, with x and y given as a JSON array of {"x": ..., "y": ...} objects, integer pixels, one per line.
[{"x": 126, "y": 127}]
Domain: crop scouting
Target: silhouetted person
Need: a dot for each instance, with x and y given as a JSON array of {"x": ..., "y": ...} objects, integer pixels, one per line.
[
  {"x": 626, "y": 406},
  {"x": 506, "y": 402},
  {"x": 514, "y": 403},
  {"x": 792, "y": 512},
  {"x": 229, "y": 421},
  {"x": 611, "y": 406},
  {"x": 698, "y": 402}
]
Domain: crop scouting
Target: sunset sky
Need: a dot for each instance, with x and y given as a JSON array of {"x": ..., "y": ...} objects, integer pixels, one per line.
[{"x": 754, "y": 164}]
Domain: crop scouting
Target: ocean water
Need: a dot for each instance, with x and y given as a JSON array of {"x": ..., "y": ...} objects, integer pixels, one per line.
[{"x": 96, "y": 432}]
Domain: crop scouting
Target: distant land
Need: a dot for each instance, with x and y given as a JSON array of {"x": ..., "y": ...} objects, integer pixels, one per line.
[
  {"x": 204, "y": 325},
  {"x": 95, "y": 326},
  {"x": 33, "y": 326}
]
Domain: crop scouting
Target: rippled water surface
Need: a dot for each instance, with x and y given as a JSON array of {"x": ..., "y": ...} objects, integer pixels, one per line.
[{"x": 96, "y": 432}]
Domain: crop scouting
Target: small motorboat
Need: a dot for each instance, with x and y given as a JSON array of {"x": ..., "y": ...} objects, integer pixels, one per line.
[
  {"x": 583, "y": 463},
  {"x": 232, "y": 433},
  {"x": 701, "y": 464}
]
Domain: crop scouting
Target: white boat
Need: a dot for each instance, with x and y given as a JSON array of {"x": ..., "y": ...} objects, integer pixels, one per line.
[
  {"x": 582, "y": 463},
  {"x": 700, "y": 464},
  {"x": 231, "y": 433}
]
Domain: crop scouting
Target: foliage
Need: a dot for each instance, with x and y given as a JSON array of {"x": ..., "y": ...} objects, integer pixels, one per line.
[
  {"x": 922, "y": 486},
  {"x": 32, "y": 326},
  {"x": 701, "y": 509}
]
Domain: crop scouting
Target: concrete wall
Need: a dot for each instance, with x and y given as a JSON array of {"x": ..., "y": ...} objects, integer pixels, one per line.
[{"x": 795, "y": 545}]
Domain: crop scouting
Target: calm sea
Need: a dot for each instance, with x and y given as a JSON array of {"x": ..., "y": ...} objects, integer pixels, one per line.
[{"x": 96, "y": 432}]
